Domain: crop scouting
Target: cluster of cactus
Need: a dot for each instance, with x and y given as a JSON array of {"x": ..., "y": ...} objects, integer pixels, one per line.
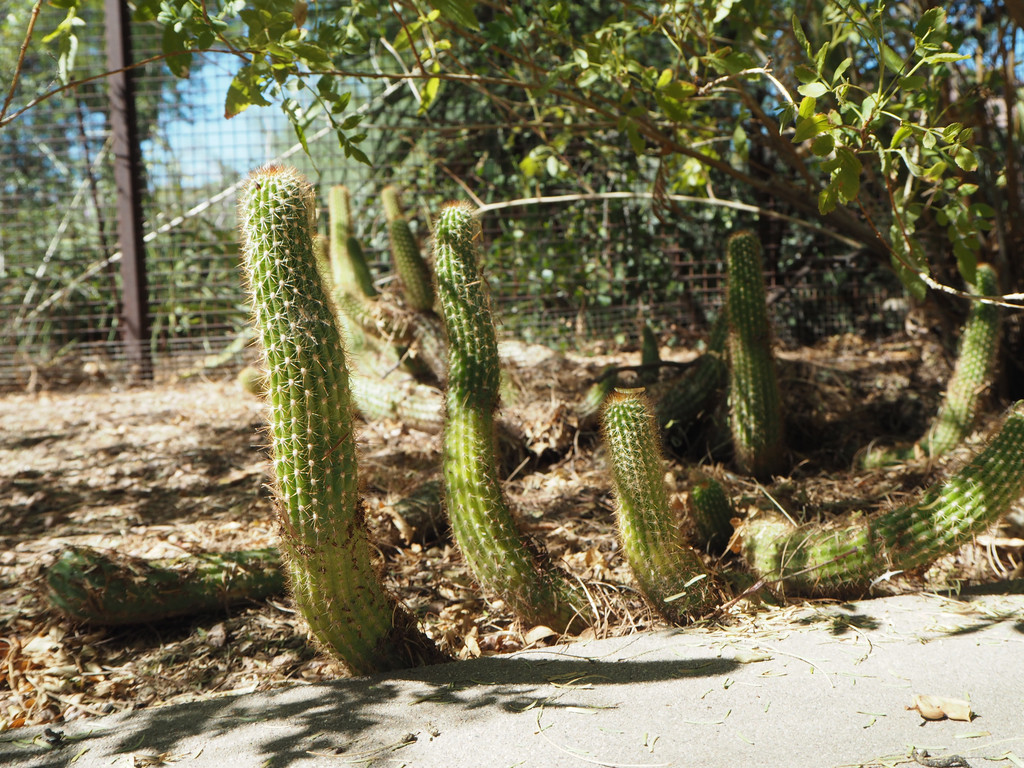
[{"x": 304, "y": 291}]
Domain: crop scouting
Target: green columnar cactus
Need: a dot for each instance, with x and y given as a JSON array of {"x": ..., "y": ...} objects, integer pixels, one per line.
[
  {"x": 712, "y": 514},
  {"x": 349, "y": 269},
  {"x": 412, "y": 268},
  {"x": 755, "y": 412},
  {"x": 111, "y": 589},
  {"x": 498, "y": 555},
  {"x": 323, "y": 534},
  {"x": 669, "y": 573},
  {"x": 965, "y": 391},
  {"x": 974, "y": 370},
  {"x": 847, "y": 555},
  {"x": 650, "y": 356}
]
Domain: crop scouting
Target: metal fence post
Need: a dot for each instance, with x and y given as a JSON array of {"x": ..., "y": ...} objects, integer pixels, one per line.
[{"x": 128, "y": 179}]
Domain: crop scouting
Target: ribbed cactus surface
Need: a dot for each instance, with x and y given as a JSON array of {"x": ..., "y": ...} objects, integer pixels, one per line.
[
  {"x": 499, "y": 556},
  {"x": 349, "y": 269},
  {"x": 712, "y": 514},
  {"x": 755, "y": 411},
  {"x": 847, "y": 555},
  {"x": 670, "y": 574},
  {"x": 412, "y": 268},
  {"x": 973, "y": 372},
  {"x": 323, "y": 533}
]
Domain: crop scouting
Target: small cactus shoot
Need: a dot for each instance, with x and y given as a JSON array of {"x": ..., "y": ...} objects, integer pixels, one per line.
[{"x": 670, "y": 574}]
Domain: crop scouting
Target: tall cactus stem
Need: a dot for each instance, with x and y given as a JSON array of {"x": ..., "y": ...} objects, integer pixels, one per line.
[
  {"x": 848, "y": 555},
  {"x": 669, "y": 573},
  {"x": 501, "y": 559},
  {"x": 412, "y": 268},
  {"x": 324, "y": 537},
  {"x": 755, "y": 411},
  {"x": 974, "y": 370}
]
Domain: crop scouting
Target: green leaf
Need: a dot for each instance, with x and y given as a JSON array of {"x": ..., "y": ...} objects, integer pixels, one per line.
[
  {"x": 807, "y": 105},
  {"x": 429, "y": 94},
  {"x": 679, "y": 90},
  {"x": 966, "y": 159},
  {"x": 936, "y": 170},
  {"x": 930, "y": 20},
  {"x": 823, "y": 145},
  {"x": 891, "y": 59},
  {"x": 900, "y": 136},
  {"x": 813, "y": 90},
  {"x": 945, "y": 57},
  {"x": 809, "y": 127},
  {"x": 805, "y": 74},
  {"x": 848, "y": 175},
  {"x": 244, "y": 92},
  {"x": 827, "y": 200},
  {"x": 912, "y": 82},
  {"x": 841, "y": 69},
  {"x": 667, "y": 76},
  {"x": 459, "y": 11},
  {"x": 801, "y": 38}
]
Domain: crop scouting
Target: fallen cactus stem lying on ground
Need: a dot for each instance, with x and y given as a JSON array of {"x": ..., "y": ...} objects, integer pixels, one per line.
[
  {"x": 111, "y": 589},
  {"x": 848, "y": 555}
]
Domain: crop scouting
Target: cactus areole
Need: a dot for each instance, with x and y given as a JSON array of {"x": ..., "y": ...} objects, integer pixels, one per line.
[{"x": 323, "y": 533}]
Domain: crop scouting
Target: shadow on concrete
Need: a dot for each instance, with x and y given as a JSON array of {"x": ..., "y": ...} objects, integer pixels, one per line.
[{"x": 333, "y": 718}]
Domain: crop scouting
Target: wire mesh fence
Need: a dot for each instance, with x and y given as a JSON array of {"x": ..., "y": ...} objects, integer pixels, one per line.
[{"x": 563, "y": 273}]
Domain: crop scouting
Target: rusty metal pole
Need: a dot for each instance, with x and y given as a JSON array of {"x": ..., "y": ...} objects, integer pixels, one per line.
[{"x": 128, "y": 179}]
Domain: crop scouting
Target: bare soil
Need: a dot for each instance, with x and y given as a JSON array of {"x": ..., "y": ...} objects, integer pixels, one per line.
[{"x": 175, "y": 468}]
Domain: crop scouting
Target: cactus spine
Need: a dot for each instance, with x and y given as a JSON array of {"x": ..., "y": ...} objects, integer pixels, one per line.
[
  {"x": 974, "y": 370},
  {"x": 848, "y": 554},
  {"x": 412, "y": 268},
  {"x": 323, "y": 534},
  {"x": 755, "y": 412},
  {"x": 669, "y": 573},
  {"x": 500, "y": 558}
]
